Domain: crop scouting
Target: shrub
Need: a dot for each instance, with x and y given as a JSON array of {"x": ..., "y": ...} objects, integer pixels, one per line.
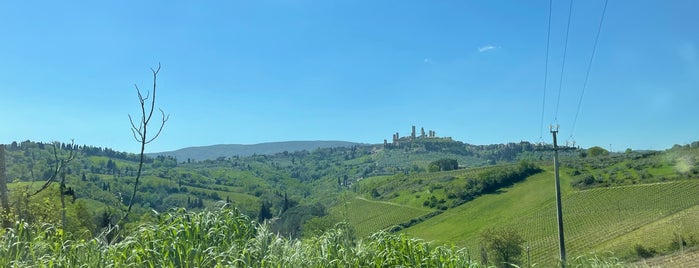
[
  {"x": 502, "y": 247},
  {"x": 644, "y": 252}
]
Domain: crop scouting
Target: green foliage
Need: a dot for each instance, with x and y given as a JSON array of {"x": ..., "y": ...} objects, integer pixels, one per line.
[
  {"x": 597, "y": 151},
  {"x": 265, "y": 213},
  {"x": 367, "y": 216},
  {"x": 318, "y": 225},
  {"x": 458, "y": 206},
  {"x": 444, "y": 164},
  {"x": 45, "y": 208},
  {"x": 593, "y": 260},
  {"x": 221, "y": 238},
  {"x": 444, "y": 190},
  {"x": 601, "y": 219},
  {"x": 104, "y": 177},
  {"x": 644, "y": 252},
  {"x": 503, "y": 247},
  {"x": 290, "y": 222},
  {"x": 635, "y": 167}
]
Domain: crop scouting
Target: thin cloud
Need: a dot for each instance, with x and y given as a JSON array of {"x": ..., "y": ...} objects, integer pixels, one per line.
[
  {"x": 427, "y": 60},
  {"x": 487, "y": 48}
]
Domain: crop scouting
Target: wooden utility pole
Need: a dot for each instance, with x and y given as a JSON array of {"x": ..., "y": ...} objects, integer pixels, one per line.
[
  {"x": 4, "y": 199},
  {"x": 561, "y": 239}
]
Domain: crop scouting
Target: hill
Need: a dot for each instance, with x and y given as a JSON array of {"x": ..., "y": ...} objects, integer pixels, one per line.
[
  {"x": 596, "y": 220},
  {"x": 294, "y": 186},
  {"x": 636, "y": 204},
  {"x": 211, "y": 152},
  {"x": 616, "y": 198}
]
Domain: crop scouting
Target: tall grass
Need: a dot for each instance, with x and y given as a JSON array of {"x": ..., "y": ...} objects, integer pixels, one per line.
[
  {"x": 220, "y": 238},
  {"x": 226, "y": 238}
]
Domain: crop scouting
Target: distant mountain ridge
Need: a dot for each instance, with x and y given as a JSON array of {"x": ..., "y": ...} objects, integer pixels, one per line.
[{"x": 227, "y": 150}]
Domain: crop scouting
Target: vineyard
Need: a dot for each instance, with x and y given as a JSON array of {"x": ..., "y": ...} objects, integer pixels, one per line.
[
  {"x": 667, "y": 232},
  {"x": 369, "y": 216},
  {"x": 595, "y": 220},
  {"x": 462, "y": 225},
  {"x": 600, "y": 216}
]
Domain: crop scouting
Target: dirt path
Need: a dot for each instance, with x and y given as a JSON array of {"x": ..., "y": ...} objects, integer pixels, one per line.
[
  {"x": 688, "y": 259},
  {"x": 394, "y": 204}
]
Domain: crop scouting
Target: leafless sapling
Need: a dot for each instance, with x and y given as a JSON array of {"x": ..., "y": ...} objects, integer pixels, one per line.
[{"x": 140, "y": 130}]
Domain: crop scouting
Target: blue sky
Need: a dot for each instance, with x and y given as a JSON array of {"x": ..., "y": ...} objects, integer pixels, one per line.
[{"x": 247, "y": 72}]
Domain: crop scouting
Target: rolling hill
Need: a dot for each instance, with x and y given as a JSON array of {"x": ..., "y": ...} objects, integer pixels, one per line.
[
  {"x": 210, "y": 152},
  {"x": 640, "y": 205},
  {"x": 614, "y": 202}
]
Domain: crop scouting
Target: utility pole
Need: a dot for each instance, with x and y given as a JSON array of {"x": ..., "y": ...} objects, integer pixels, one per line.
[{"x": 561, "y": 239}]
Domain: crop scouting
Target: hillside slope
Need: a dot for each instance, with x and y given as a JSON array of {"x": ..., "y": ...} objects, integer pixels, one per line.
[
  {"x": 593, "y": 218},
  {"x": 227, "y": 150}
]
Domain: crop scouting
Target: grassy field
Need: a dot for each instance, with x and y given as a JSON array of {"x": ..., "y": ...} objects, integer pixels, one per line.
[
  {"x": 665, "y": 233},
  {"x": 415, "y": 189},
  {"x": 367, "y": 216},
  {"x": 462, "y": 225},
  {"x": 678, "y": 260},
  {"x": 595, "y": 220}
]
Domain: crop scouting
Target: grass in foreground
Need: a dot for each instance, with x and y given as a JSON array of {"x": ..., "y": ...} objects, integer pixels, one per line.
[{"x": 222, "y": 238}]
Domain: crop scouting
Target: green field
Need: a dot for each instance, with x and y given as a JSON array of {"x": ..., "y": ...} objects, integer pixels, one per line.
[
  {"x": 660, "y": 234},
  {"x": 368, "y": 216},
  {"x": 595, "y": 220},
  {"x": 462, "y": 225}
]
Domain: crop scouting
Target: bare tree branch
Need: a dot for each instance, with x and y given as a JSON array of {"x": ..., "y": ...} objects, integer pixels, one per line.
[
  {"x": 58, "y": 166},
  {"x": 162, "y": 124},
  {"x": 140, "y": 132}
]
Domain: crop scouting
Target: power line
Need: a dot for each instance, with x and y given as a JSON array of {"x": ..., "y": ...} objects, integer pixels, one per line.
[
  {"x": 546, "y": 72},
  {"x": 565, "y": 50},
  {"x": 589, "y": 66}
]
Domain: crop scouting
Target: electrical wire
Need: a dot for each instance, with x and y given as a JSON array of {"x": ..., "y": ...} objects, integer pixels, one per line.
[
  {"x": 546, "y": 72},
  {"x": 565, "y": 50},
  {"x": 589, "y": 66}
]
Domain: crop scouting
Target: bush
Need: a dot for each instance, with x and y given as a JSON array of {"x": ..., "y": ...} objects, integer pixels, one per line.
[
  {"x": 583, "y": 181},
  {"x": 597, "y": 151},
  {"x": 502, "y": 247},
  {"x": 644, "y": 252},
  {"x": 444, "y": 164}
]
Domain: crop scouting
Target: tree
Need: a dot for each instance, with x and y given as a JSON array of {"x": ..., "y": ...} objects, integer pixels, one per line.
[
  {"x": 597, "y": 151},
  {"x": 502, "y": 247},
  {"x": 265, "y": 213},
  {"x": 286, "y": 203},
  {"x": 140, "y": 131},
  {"x": 57, "y": 168},
  {"x": 444, "y": 164},
  {"x": 60, "y": 163}
]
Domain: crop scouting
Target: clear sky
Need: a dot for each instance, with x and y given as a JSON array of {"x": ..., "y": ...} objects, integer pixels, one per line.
[{"x": 247, "y": 72}]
